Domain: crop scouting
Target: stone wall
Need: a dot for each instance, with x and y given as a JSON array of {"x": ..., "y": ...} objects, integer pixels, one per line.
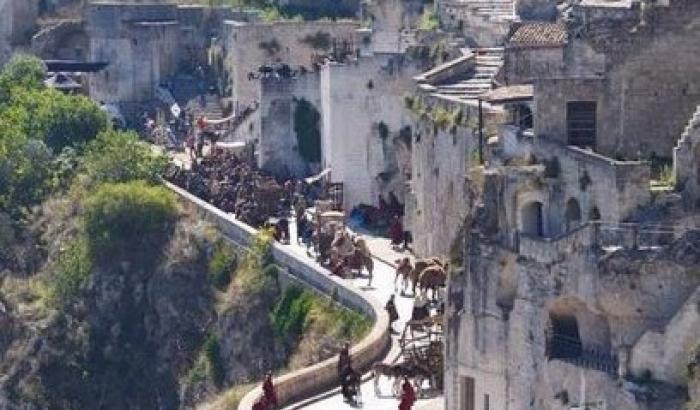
[
  {"x": 630, "y": 301},
  {"x": 523, "y": 65},
  {"x": 278, "y": 147},
  {"x": 140, "y": 43},
  {"x": 364, "y": 117},
  {"x": 686, "y": 159},
  {"x": 249, "y": 46},
  {"x": 664, "y": 352},
  {"x": 439, "y": 190},
  {"x": 66, "y": 40}
]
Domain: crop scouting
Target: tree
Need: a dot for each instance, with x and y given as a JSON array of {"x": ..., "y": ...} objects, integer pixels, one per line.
[
  {"x": 121, "y": 157},
  {"x": 21, "y": 72},
  {"x": 51, "y": 116},
  {"x": 24, "y": 171}
]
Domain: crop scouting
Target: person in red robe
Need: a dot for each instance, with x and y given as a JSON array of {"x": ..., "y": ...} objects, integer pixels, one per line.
[
  {"x": 396, "y": 231},
  {"x": 408, "y": 395},
  {"x": 269, "y": 391}
]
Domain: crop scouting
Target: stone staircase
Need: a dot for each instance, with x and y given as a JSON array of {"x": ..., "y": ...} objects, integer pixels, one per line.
[
  {"x": 693, "y": 125},
  {"x": 488, "y": 63}
]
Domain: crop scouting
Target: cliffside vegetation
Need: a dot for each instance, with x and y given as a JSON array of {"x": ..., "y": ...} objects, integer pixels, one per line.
[{"x": 113, "y": 294}]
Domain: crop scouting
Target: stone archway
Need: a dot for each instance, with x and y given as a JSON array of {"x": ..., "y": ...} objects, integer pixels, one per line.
[
  {"x": 532, "y": 219},
  {"x": 572, "y": 214}
]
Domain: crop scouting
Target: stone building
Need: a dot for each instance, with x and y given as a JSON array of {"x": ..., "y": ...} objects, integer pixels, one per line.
[
  {"x": 248, "y": 46},
  {"x": 578, "y": 286},
  {"x": 625, "y": 67}
]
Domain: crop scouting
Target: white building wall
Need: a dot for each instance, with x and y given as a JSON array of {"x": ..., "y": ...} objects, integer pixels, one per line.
[{"x": 357, "y": 97}]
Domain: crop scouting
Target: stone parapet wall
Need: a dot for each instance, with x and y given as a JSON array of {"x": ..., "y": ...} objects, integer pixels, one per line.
[
  {"x": 319, "y": 377},
  {"x": 549, "y": 250}
]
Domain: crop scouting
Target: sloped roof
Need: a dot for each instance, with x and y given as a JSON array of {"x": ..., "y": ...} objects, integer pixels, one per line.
[
  {"x": 539, "y": 35},
  {"x": 509, "y": 93}
]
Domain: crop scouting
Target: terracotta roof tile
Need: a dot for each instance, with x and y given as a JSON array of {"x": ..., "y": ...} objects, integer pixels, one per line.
[{"x": 539, "y": 35}]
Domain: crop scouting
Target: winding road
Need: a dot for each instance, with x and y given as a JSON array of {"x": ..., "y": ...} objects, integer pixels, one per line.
[{"x": 382, "y": 288}]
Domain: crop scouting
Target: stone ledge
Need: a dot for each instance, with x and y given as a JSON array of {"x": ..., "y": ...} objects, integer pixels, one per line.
[{"x": 321, "y": 376}]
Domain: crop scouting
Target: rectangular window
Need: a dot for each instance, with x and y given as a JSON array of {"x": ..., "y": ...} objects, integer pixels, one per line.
[
  {"x": 581, "y": 123},
  {"x": 487, "y": 405},
  {"x": 467, "y": 393}
]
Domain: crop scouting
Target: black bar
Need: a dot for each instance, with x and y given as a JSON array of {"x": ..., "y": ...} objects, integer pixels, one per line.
[{"x": 481, "y": 133}]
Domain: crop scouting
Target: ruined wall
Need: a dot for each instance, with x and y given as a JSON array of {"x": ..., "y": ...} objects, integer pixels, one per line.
[
  {"x": 686, "y": 160},
  {"x": 248, "y": 46},
  {"x": 389, "y": 18},
  {"x": 364, "y": 120},
  {"x": 66, "y": 40},
  {"x": 278, "y": 147},
  {"x": 140, "y": 44}
]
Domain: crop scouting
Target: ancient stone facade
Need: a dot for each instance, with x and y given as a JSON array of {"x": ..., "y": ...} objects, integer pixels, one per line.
[
  {"x": 250, "y": 46},
  {"x": 122, "y": 35},
  {"x": 633, "y": 70}
]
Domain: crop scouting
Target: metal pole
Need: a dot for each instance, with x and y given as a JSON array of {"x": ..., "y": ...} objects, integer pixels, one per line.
[{"x": 481, "y": 133}]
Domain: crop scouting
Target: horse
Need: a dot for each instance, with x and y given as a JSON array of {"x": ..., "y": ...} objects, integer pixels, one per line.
[
  {"x": 391, "y": 371},
  {"x": 433, "y": 277},
  {"x": 397, "y": 372},
  {"x": 357, "y": 261},
  {"x": 418, "y": 268}
]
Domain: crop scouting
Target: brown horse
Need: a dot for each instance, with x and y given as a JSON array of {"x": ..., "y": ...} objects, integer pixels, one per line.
[
  {"x": 356, "y": 263},
  {"x": 433, "y": 277},
  {"x": 419, "y": 266}
]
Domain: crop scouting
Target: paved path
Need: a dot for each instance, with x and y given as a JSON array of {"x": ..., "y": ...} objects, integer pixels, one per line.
[{"x": 382, "y": 288}]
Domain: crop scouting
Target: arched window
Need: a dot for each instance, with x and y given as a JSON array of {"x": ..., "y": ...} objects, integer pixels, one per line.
[
  {"x": 573, "y": 214},
  {"x": 532, "y": 219},
  {"x": 594, "y": 214}
]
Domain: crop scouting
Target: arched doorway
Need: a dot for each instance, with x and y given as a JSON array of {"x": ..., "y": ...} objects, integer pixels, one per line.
[
  {"x": 563, "y": 338},
  {"x": 573, "y": 214},
  {"x": 532, "y": 219}
]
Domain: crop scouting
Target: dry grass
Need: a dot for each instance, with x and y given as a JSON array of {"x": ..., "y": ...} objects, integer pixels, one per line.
[{"x": 229, "y": 399}]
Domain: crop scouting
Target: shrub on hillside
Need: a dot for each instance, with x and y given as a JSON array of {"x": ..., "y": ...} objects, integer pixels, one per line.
[
  {"x": 121, "y": 157},
  {"x": 222, "y": 263},
  {"x": 22, "y": 72},
  {"x": 70, "y": 272},
  {"x": 129, "y": 221}
]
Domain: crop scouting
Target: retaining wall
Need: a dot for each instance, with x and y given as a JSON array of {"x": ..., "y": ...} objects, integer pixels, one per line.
[{"x": 320, "y": 377}]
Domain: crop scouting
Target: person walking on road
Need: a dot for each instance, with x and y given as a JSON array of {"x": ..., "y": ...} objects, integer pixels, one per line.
[
  {"x": 408, "y": 395},
  {"x": 393, "y": 313}
]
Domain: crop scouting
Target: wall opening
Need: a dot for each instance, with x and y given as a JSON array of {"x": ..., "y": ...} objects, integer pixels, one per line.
[
  {"x": 563, "y": 338},
  {"x": 581, "y": 123},
  {"x": 594, "y": 215},
  {"x": 532, "y": 219},
  {"x": 466, "y": 387},
  {"x": 573, "y": 214}
]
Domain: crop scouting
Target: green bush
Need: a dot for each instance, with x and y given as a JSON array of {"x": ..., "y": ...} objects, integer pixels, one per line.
[
  {"x": 58, "y": 119},
  {"x": 70, "y": 272},
  {"x": 212, "y": 353},
  {"x": 289, "y": 315},
  {"x": 24, "y": 174},
  {"x": 222, "y": 263},
  {"x": 129, "y": 221},
  {"x": 21, "y": 72},
  {"x": 121, "y": 157}
]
